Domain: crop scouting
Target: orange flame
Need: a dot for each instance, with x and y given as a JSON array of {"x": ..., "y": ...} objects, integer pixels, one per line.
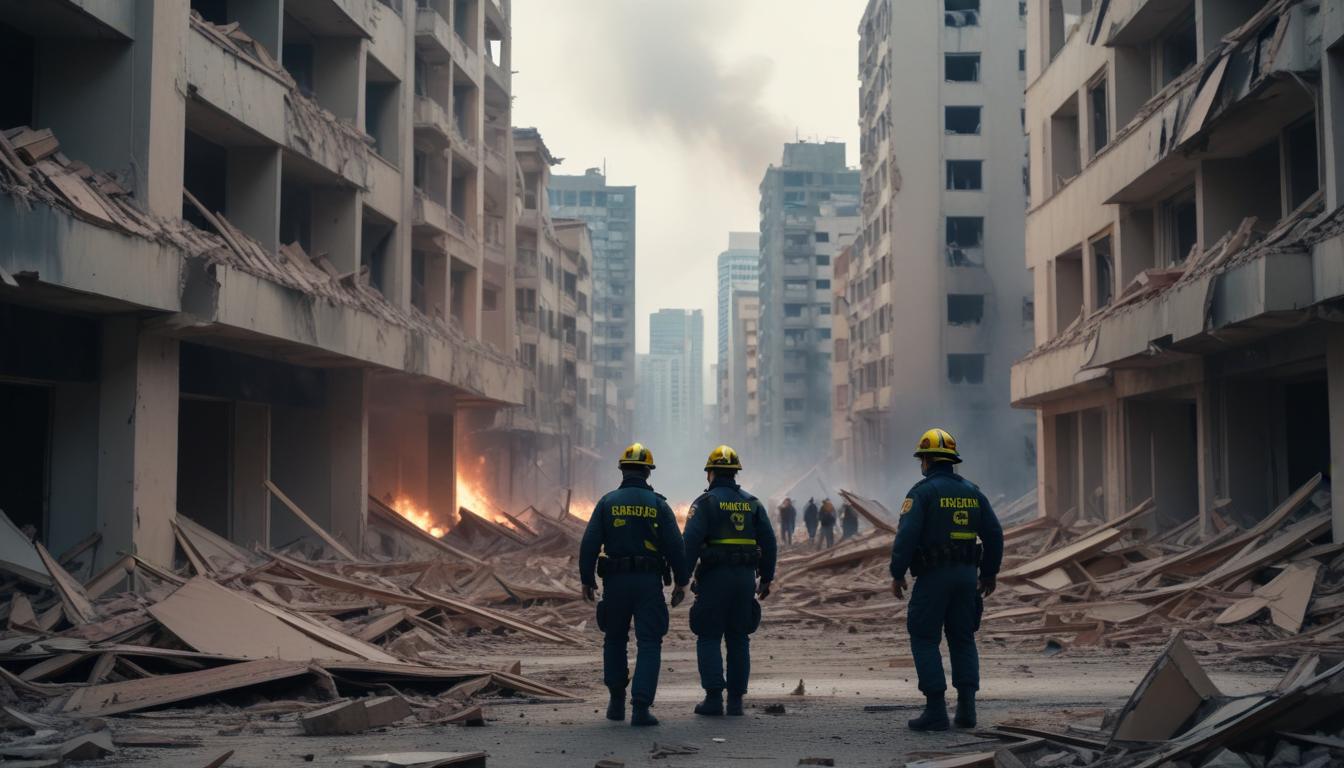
[{"x": 422, "y": 517}]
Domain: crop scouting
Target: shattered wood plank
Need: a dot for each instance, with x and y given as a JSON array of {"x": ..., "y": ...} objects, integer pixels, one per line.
[
  {"x": 1285, "y": 597},
  {"x": 865, "y": 508},
  {"x": 132, "y": 695},
  {"x": 308, "y": 521},
  {"x": 77, "y": 606},
  {"x": 502, "y": 619},
  {"x": 1084, "y": 546},
  {"x": 18, "y": 555},
  {"x": 1169, "y": 695},
  {"x": 385, "y": 514}
]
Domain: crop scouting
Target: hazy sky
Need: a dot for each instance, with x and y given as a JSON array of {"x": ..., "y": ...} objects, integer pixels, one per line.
[{"x": 689, "y": 100}]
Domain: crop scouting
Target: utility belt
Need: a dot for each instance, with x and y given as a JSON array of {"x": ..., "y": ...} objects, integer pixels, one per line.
[
  {"x": 956, "y": 553},
  {"x": 608, "y": 566},
  {"x": 717, "y": 556}
]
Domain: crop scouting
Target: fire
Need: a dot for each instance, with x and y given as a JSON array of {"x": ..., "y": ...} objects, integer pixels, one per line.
[
  {"x": 470, "y": 495},
  {"x": 421, "y": 516}
]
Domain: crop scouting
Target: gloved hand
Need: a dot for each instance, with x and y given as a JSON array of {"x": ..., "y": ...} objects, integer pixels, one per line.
[
  {"x": 589, "y": 593},
  {"x": 898, "y": 588},
  {"x": 987, "y": 586},
  {"x": 763, "y": 591},
  {"x": 678, "y": 595}
]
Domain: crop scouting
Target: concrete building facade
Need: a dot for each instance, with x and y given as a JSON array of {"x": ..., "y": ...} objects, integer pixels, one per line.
[
  {"x": 610, "y": 214},
  {"x": 1187, "y": 256},
  {"x": 279, "y": 255},
  {"x": 739, "y": 271},
  {"x": 937, "y": 295},
  {"x": 795, "y": 298}
]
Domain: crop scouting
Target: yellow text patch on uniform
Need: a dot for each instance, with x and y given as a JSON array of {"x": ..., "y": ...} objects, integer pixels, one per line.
[
  {"x": 908, "y": 505},
  {"x": 735, "y": 506},
  {"x": 961, "y": 517},
  {"x": 617, "y": 523},
  {"x": 959, "y": 502},
  {"x": 634, "y": 510}
]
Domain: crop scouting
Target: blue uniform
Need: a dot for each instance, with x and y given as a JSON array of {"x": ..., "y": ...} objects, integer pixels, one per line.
[
  {"x": 632, "y": 522},
  {"x": 941, "y": 519},
  {"x": 727, "y": 523}
]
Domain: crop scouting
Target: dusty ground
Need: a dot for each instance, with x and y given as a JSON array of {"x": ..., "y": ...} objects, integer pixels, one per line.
[{"x": 843, "y": 672}]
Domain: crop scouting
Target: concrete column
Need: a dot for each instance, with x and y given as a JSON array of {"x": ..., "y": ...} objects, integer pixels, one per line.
[
  {"x": 442, "y": 465},
  {"x": 160, "y": 105},
  {"x": 73, "y": 510},
  {"x": 252, "y": 195},
  {"x": 1210, "y": 443},
  {"x": 250, "y": 516},
  {"x": 1332, "y": 122},
  {"x": 1046, "y": 446},
  {"x": 347, "y": 415},
  {"x": 137, "y": 441},
  {"x": 1335, "y": 374}
]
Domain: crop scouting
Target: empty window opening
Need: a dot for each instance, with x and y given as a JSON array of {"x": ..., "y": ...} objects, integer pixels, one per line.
[
  {"x": 464, "y": 21},
  {"x": 1302, "y": 161},
  {"x": 381, "y": 101},
  {"x": 965, "y": 308},
  {"x": 1100, "y": 116},
  {"x": 965, "y": 241},
  {"x": 961, "y": 120},
  {"x": 1068, "y": 273},
  {"x": 964, "y": 174},
  {"x": 1307, "y": 420},
  {"x": 204, "y": 430},
  {"x": 418, "y": 280},
  {"x": 18, "y": 62},
  {"x": 1065, "y": 144},
  {"x": 1179, "y": 49},
  {"x": 296, "y": 213},
  {"x": 298, "y": 62},
  {"x": 204, "y": 175},
  {"x": 1064, "y": 16},
  {"x": 375, "y": 245},
  {"x": 961, "y": 13},
  {"x": 961, "y": 67},
  {"x": 25, "y": 412},
  {"x": 1103, "y": 272},
  {"x": 966, "y": 369},
  {"x": 1180, "y": 222}
]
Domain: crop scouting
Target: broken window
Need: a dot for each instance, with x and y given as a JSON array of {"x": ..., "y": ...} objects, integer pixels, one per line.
[
  {"x": 961, "y": 13},
  {"x": 1302, "y": 161},
  {"x": 966, "y": 369},
  {"x": 1179, "y": 49},
  {"x": 1181, "y": 226},
  {"x": 1099, "y": 110},
  {"x": 965, "y": 308},
  {"x": 204, "y": 174},
  {"x": 1021, "y": 60},
  {"x": 381, "y": 116},
  {"x": 961, "y": 120},
  {"x": 1064, "y": 16},
  {"x": 375, "y": 243},
  {"x": 965, "y": 240},
  {"x": 961, "y": 67},
  {"x": 1068, "y": 279},
  {"x": 964, "y": 174},
  {"x": 823, "y": 237},
  {"x": 1103, "y": 271},
  {"x": 1065, "y": 145},
  {"x": 18, "y": 62}
]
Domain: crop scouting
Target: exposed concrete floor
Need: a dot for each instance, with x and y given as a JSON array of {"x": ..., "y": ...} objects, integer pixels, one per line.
[{"x": 842, "y": 671}]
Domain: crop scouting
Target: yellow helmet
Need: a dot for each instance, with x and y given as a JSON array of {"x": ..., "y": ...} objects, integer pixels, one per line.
[
  {"x": 636, "y": 456},
  {"x": 939, "y": 445},
  {"x": 723, "y": 457}
]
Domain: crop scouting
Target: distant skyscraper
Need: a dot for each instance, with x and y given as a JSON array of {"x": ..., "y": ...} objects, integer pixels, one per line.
[
  {"x": 808, "y": 202},
  {"x": 610, "y": 213},
  {"x": 678, "y": 335},
  {"x": 739, "y": 270}
]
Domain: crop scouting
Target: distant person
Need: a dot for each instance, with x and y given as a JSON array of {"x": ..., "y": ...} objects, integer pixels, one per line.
[
  {"x": 635, "y": 532},
  {"x": 849, "y": 521},
  {"x": 810, "y": 521},
  {"x": 788, "y": 519},
  {"x": 826, "y": 517},
  {"x": 941, "y": 519},
  {"x": 728, "y": 533}
]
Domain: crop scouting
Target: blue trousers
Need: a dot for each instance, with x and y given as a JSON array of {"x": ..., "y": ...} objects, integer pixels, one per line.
[
  {"x": 945, "y": 601},
  {"x": 636, "y": 597},
  {"x": 724, "y": 614}
]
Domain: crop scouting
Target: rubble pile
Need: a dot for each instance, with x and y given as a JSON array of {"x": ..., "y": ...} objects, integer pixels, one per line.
[
  {"x": 1271, "y": 589},
  {"x": 307, "y": 639}
]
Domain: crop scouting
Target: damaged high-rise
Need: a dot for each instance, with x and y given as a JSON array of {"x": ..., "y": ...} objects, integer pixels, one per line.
[
  {"x": 250, "y": 242},
  {"x": 1187, "y": 256},
  {"x": 935, "y": 290}
]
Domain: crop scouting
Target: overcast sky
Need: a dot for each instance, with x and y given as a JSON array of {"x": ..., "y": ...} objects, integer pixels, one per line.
[{"x": 689, "y": 100}]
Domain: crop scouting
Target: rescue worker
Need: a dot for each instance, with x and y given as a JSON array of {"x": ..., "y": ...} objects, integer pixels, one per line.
[
  {"x": 826, "y": 517},
  {"x": 729, "y": 535},
  {"x": 788, "y": 519},
  {"x": 810, "y": 520},
  {"x": 941, "y": 519},
  {"x": 633, "y": 544},
  {"x": 849, "y": 521}
]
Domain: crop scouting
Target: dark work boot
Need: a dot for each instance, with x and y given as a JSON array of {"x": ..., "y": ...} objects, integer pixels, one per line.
[
  {"x": 734, "y": 705},
  {"x": 616, "y": 707},
  {"x": 712, "y": 706},
  {"x": 934, "y": 717},
  {"x": 640, "y": 714},
  {"x": 965, "y": 717}
]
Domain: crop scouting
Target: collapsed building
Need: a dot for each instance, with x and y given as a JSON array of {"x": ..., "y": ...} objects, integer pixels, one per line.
[
  {"x": 252, "y": 247},
  {"x": 1185, "y": 248}
]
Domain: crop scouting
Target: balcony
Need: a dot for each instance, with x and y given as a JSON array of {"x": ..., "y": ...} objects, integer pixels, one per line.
[
  {"x": 495, "y": 162},
  {"x": 464, "y": 146},
  {"x": 433, "y": 36},
  {"x": 432, "y": 119},
  {"x": 428, "y": 214}
]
